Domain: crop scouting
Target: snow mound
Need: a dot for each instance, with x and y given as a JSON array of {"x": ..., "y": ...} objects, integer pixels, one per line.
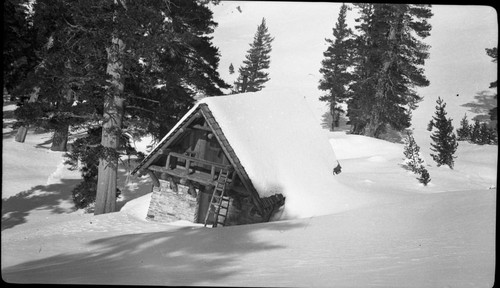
[{"x": 350, "y": 146}]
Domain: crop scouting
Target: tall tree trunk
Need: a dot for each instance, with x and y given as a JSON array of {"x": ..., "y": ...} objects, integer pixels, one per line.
[
  {"x": 23, "y": 130},
  {"x": 60, "y": 138},
  {"x": 111, "y": 130},
  {"x": 372, "y": 129},
  {"x": 332, "y": 112},
  {"x": 61, "y": 133}
]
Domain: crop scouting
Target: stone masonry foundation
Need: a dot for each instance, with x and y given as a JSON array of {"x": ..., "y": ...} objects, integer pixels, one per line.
[{"x": 169, "y": 206}]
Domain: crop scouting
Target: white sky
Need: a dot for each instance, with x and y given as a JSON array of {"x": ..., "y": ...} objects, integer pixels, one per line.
[{"x": 458, "y": 62}]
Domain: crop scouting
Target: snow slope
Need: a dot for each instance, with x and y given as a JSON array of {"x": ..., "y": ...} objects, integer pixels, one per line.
[{"x": 407, "y": 234}]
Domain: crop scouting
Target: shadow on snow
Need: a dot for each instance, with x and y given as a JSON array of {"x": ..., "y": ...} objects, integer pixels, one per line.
[
  {"x": 184, "y": 256},
  {"x": 16, "y": 208}
]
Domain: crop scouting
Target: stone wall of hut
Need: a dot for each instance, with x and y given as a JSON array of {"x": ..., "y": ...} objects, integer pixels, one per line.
[{"x": 168, "y": 205}]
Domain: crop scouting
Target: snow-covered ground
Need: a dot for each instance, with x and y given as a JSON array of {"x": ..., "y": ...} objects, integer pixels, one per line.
[{"x": 406, "y": 235}]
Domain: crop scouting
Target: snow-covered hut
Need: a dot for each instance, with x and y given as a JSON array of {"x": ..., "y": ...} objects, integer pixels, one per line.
[{"x": 235, "y": 160}]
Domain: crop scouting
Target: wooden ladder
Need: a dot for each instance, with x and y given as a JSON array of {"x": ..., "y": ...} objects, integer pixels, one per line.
[{"x": 219, "y": 203}]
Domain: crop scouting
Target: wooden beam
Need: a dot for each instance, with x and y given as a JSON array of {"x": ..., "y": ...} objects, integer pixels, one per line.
[
  {"x": 151, "y": 174},
  {"x": 204, "y": 128},
  {"x": 182, "y": 175},
  {"x": 201, "y": 161},
  {"x": 164, "y": 151}
]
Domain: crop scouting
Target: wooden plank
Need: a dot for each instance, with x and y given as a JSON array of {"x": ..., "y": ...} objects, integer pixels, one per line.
[
  {"x": 201, "y": 161},
  {"x": 181, "y": 173},
  {"x": 204, "y": 128}
]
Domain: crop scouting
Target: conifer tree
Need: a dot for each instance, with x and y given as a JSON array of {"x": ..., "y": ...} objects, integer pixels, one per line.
[
  {"x": 475, "y": 135},
  {"x": 412, "y": 153},
  {"x": 19, "y": 55},
  {"x": 414, "y": 160},
  {"x": 251, "y": 74},
  {"x": 338, "y": 59},
  {"x": 389, "y": 61},
  {"x": 464, "y": 132},
  {"x": 231, "y": 69},
  {"x": 424, "y": 177},
  {"x": 485, "y": 134},
  {"x": 130, "y": 67},
  {"x": 492, "y": 135},
  {"x": 444, "y": 139}
]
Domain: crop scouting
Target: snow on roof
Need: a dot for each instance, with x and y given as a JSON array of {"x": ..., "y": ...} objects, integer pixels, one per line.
[{"x": 283, "y": 150}]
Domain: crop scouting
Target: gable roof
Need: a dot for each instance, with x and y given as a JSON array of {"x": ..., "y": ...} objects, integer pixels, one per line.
[
  {"x": 202, "y": 109},
  {"x": 275, "y": 141}
]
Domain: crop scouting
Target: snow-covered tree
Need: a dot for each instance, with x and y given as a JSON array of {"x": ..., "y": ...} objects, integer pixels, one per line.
[
  {"x": 444, "y": 139},
  {"x": 231, "y": 69},
  {"x": 414, "y": 160},
  {"x": 252, "y": 75},
  {"x": 424, "y": 177},
  {"x": 412, "y": 153}
]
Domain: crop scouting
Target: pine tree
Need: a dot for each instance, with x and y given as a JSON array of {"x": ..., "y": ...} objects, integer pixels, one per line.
[
  {"x": 492, "y": 136},
  {"x": 130, "y": 67},
  {"x": 19, "y": 55},
  {"x": 412, "y": 153},
  {"x": 424, "y": 177},
  {"x": 231, "y": 69},
  {"x": 251, "y": 74},
  {"x": 389, "y": 60},
  {"x": 445, "y": 142},
  {"x": 485, "y": 134},
  {"x": 464, "y": 132},
  {"x": 414, "y": 160},
  {"x": 475, "y": 136},
  {"x": 338, "y": 59}
]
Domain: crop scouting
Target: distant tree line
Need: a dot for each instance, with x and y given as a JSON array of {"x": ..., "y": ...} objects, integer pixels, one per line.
[{"x": 478, "y": 133}]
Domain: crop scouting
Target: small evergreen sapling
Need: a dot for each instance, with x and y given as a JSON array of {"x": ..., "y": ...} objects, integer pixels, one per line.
[
  {"x": 425, "y": 177},
  {"x": 445, "y": 141},
  {"x": 412, "y": 153},
  {"x": 414, "y": 160}
]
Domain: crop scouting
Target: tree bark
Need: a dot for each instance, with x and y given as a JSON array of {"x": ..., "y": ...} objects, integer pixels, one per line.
[
  {"x": 21, "y": 133},
  {"x": 23, "y": 130},
  {"x": 60, "y": 138},
  {"x": 372, "y": 129},
  {"x": 111, "y": 130}
]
